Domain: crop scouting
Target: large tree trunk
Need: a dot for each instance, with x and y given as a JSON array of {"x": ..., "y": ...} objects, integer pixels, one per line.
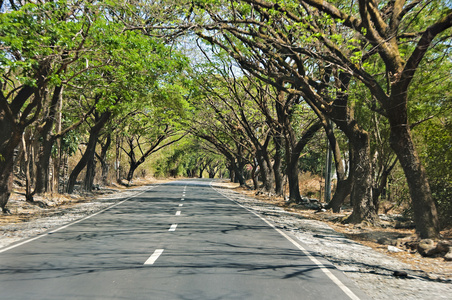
[
  {"x": 292, "y": 177},
  {"x": 238, "y": 174},
  {"x": 425, "y": 213},
  {"x": 88, "y": 182},
  {"x": 212, "y": 172},
  {"x": 343, "y": 189},
  {"x": 266, "y": 173},
  {"x": 90, "y": 148},
  {"x": 47, "y": 141},
  {"x": 361, "y": 196},
  {"x": 105, "y": 169},
  {"x": 277, "y": 167},
  {"x": 293, "y": 153},
  {"x": 103, "y": 159},
  {"x": 344, "y": 184},
  {"x": 89, "y": 152},
  {"x": 231, "y": 172},
  {"x": 254, "y": 176},
  {"x": 13, "y": 123},
  {"x": 131, "y": 171},
  {"x": 42, "y": 164},
  {"x": 28, "y": 160},
  {"x": 360, "y": 162},
  {"x": 6, "y": 183},
  {"x": 10, "y": 137},
  {"x": 7, "y": 146}
]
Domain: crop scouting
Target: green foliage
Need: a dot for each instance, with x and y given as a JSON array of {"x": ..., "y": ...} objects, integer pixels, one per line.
[
  {"x": 70, "y": 142},
  {"x": 437, "y": 155},
  {"x": 313, "y": 161},
  {"x": 185, "y": 159},
  {"x": 48, "y": 32}
]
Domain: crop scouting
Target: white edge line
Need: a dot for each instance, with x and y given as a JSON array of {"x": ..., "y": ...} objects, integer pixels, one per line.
[
  {"x": 75, "y": 222},
  {"x": 151, "y": 260},
  {"x": 24, "y": 242},
  {"x": 327, "y": 272}
]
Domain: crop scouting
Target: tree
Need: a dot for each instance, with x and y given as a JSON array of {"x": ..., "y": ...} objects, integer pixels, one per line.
[
  {"x": 133, "y": 75},
  {"x": 185, "y": 157},
  {"x": 224, "y": 135},
  {"x": 384, "y": 30},
  {"x": 149, "y": 135},
  {"x": 258, "y": 47},
  {"x": 380, "y": 30},
  {"x": 39, "y": 42}
]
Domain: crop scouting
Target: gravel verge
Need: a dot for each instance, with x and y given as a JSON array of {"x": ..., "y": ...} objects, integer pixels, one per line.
[
  {"x": 15, "y": 232},
  {"x": 372, "y": 271}
]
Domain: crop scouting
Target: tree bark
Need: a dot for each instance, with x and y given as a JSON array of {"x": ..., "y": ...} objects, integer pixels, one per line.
[
  {"x": 118, "y": 159},
  {"x": 103, "y": 159},
  {"x": 42, "y": 164},
  {"x": 238, "y": 173},
  {"x": 89, "y": 152},
  {"x": 28, "y": 158},
  {"x": 425, "y": 212},
  {"x": 88, "y": 182},
  {"x": 10, "y": 137},
  {"x": 11, "y": 128},
  {"x": 82, "y": 163},
  {"x": 361, "y": 195},
  {"x": 212, "y": 173},
  {"x": 343, "y": 189},
  {"x": 277, "y": 166},
  {"x": 293, "y": 154},
  {"x": 292, "y": 177},
  {"x": 6, "y": 182},
  {"x": 344, "y": 184},
  {"x": 266, "y": 173},
  {"x": 231, "y": 172},
  {"x": 47, "y": 141},
  {"x": 254, "y": 176}
]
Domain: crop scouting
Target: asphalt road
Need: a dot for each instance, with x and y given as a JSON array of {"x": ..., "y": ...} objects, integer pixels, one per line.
[{"x": 181, "y": 240}]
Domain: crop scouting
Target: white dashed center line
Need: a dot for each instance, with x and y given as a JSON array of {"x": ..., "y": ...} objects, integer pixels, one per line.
[
  {"x": 151, "y": 260},
  {"x": 180, "y": 205},
  {"x": 178, "y": 213},
  {"x": 173, "y": 227}
]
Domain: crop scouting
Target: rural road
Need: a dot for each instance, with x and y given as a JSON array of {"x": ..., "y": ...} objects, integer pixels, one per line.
[{"x": 180, "y": 240}]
